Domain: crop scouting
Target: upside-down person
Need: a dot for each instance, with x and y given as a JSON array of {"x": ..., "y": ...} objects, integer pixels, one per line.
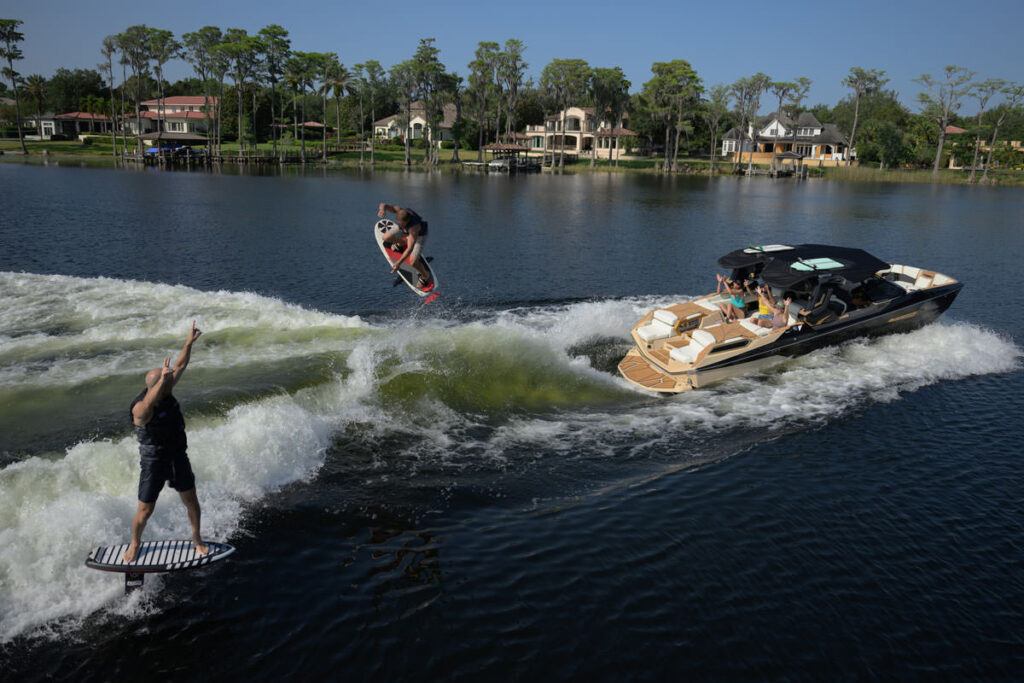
[{"x": 411, "y": 229}]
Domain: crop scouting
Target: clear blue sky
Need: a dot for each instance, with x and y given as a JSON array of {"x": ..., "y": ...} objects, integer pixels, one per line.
[{"x": 722, "y": 40}]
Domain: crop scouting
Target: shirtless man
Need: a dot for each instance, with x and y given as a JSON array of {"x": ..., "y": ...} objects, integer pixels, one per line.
[
  {"x": 413, "y": 229},
  {"x": 160, "y": 429}
]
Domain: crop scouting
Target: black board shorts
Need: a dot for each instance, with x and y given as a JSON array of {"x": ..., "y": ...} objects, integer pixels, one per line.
[{"x": 175, "y": 470}]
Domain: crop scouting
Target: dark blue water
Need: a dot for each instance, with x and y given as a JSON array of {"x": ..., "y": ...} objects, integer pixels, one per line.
[{"x": 466, "y": 491}]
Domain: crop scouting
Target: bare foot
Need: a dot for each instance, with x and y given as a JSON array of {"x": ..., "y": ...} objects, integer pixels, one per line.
[
  {"x": 129, "y": 555},
  {"x": 201, "y": 548}
]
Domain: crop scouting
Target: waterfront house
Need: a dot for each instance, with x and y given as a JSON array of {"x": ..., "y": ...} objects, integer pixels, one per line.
[
  {"x": 390, "y": 127},
  {"x": 584, "y": 132},
  {"x": 68, "y": 126},
  {"x": 179, "y": 114},
  {"x": 813, "y": 141}
]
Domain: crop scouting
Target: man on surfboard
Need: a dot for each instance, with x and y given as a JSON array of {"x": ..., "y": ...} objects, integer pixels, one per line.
[
  {"x": 413, "y": 230},
  {"x": 160, "y": 429}
]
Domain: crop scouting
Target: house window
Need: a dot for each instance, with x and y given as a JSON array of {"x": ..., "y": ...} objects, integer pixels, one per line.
[
  {"x": 175, "y": 126},
  {"x": 728, "y": 146},
  {"x": 773, "y": 132}
]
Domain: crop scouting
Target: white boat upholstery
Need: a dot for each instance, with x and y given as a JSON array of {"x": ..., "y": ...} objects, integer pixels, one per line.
[
  {"x": 661, "y": 326},
  {"x": 698, "y": 341},
  {"x": 754, "y": 327},
  {"x": 712, "y": 302}
]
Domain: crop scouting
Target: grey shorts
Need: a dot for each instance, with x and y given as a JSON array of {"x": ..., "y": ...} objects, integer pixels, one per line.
[{"x": 396, "y": 233}]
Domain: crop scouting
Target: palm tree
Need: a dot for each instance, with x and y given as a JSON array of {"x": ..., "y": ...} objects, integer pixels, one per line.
[
  {"x": 276, "y": 48},
  {"x": 220, "y": 62},
  {"x": 241, "y": 49},
  {"x": 108, "y": 50},
  {"x": 481, "y": 88},
  {"x": 199, "y": 47},
  {"x": 609, "y": 91},
  {"x": 10, "y": 36},
  {"x": 162, "y": 49},
  {"x": 134, "y": 44},
  {"x": 376, "y": 81},
  {"x": 566, "y": 81},
  {"x": 327, "y": 66},
  {"x": 293, "y": 76},
  {"x": 35, "y": 85},
  {"x": 342, "y": 82},
  {"x": 510, "y": 72}
]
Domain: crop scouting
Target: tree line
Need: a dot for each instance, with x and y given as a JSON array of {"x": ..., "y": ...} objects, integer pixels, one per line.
[{"x": 273, "y": 90}]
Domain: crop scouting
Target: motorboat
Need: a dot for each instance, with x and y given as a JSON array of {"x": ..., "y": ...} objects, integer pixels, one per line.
[{"x": 835, "y": 293}]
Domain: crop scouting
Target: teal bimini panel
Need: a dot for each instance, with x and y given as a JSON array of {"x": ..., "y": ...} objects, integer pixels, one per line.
[{"x": 814, "y": 264}]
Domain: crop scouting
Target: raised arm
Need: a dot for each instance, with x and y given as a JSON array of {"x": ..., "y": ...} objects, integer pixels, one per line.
[
  {"x": 384, "y": 208},
  {"x": 186, "y": 353},
  {"x": 142, "y": 412}
]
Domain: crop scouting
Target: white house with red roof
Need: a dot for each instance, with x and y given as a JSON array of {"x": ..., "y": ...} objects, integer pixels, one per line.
[
  {"x": 178, "y": 113},
  {"x": 70, "y": 125}
]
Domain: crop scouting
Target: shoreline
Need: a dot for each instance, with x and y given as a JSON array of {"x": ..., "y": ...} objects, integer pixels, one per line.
[{"x": 100, "y": 156}]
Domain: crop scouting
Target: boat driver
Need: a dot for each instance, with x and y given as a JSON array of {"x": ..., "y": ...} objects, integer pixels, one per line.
[{"x": 413, "y": 229}]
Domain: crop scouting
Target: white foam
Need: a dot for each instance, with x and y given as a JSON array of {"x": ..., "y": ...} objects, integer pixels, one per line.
[{"x": 514, "y": 364}]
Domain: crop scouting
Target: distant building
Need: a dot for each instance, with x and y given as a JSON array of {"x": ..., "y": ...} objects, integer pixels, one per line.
[
  {"x": 390, "y": 127},
  {"x": 67, "y": 126},
  {"x": 774, "y": 135},
  {"x": 584, "y": 132},
  {"x": 179, "y": 114}
]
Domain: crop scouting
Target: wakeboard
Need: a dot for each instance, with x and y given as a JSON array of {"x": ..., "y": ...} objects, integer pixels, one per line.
[
  {"x": 154, "y": 557},
  {"x": 407, "y": 274}
]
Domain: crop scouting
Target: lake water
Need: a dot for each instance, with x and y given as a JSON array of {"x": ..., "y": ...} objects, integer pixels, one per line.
[{"x": 467, "y": 490}]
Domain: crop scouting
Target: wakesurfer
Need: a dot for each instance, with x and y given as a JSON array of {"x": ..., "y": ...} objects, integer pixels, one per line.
[
  {"x": 411, "y": 229},
  {"x": 160, "y": 428}
]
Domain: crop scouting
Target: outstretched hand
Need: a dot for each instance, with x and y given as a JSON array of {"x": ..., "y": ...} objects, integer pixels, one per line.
[
  {"x": 380, "y": 211},
  {"x": 194, "y": 333},
  {"x": 166, "y": 371}
]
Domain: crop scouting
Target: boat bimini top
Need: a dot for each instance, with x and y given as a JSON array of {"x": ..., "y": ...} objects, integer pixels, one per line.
[{"x": 784, "y": 266}]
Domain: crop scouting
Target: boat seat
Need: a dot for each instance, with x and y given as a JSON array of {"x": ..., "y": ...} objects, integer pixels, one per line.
[
  {"x": 837, "y": 305},
  {"x": 924, "y": 280},
  {"x": 749, "y": 324},
  {"x": 661, "y": 326},
  {"x": 698, "y": 341}
]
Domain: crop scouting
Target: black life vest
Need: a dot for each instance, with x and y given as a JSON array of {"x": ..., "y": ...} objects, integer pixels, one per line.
[
  {"x": 415, "y": 218},
  {"x": 164, "y": 434}
]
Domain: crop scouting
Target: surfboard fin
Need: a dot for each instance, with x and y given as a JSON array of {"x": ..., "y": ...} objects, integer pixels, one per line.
[{"x": 398, "y": 281}]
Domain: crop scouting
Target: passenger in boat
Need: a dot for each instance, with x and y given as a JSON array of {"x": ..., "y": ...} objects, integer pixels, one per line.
[
  {"x": 765, "y": 304},
  {"x": 769, "y": 314},
  {"x": 733, "y": 308}
]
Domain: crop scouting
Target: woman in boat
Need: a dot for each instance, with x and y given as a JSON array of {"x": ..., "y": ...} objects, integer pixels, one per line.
[
  {"x": 733, "y": 308},
  {"x": 776, "y": 318},
  {"x": 765, "y": 305}
]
